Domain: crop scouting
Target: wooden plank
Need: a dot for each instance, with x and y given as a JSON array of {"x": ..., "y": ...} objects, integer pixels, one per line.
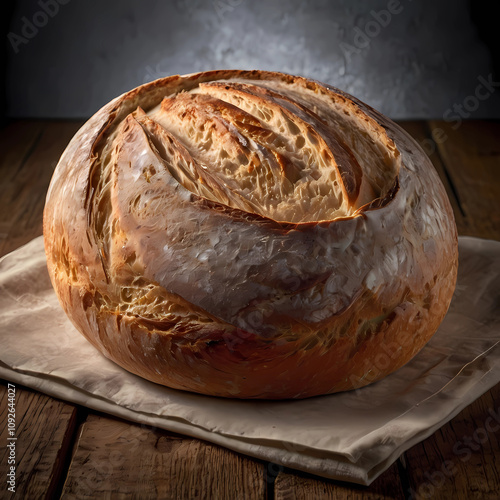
[
  {"x": 462, "y": 459},
  {"x": 296, "y": 486},
  {"x": 44, "y": 429},
  {"x": 16, "y": 143},
  {"x": 44, "y": 426},
  {"x": 115, "y": 459},
  {"x": 471, "y": 156},
  {"x": 28, "y": 169}
]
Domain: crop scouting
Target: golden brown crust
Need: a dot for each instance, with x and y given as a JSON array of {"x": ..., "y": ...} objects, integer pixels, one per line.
[{"x": 250, "y": 234}]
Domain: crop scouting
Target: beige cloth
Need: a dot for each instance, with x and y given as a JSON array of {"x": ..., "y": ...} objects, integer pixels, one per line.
[{"x": 351, "y": 436}]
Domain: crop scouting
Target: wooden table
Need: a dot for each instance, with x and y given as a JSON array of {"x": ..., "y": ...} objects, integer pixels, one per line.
[{"x": 67, "y": 450}]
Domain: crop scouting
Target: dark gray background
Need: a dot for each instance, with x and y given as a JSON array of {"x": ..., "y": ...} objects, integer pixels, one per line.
[{"x": 429, "y": 56}]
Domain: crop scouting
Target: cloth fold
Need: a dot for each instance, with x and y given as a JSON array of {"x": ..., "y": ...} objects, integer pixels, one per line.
[{"x": 352, "y": 436}]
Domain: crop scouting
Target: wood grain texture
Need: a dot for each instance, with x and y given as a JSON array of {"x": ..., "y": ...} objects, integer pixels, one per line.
[
  {"x": 471, "y": 156},
  {"x": 293, "y": 486},
  {"x": 462, "y": 459},
  {"x": 44, "y": 430},
  {"x": 115, "y": 459},
  {"x": 16, "y": 143},
  {"x": 33, "y": 149}
]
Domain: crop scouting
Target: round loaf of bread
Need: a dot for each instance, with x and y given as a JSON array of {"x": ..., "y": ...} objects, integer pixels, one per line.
[{"x": 250, "y": 234}]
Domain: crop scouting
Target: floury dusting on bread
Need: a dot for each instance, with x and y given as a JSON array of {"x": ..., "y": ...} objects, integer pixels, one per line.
[{"x": 250, "y": 234}]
